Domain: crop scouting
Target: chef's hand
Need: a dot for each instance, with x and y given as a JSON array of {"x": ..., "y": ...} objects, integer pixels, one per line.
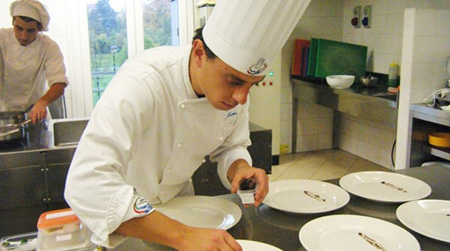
[
  {"x": 38, "y": 112},
  {"x": 241, "y": 170},
  {"x": 208, "y": 239}
]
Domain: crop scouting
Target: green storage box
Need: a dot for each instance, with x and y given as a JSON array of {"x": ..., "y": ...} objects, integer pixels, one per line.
[{"x": 328, "y": 57}]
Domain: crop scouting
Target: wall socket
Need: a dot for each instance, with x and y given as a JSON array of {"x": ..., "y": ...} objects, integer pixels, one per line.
[
  {"x": 366, "y": 20},
  {"x": 356, "y": 17}
]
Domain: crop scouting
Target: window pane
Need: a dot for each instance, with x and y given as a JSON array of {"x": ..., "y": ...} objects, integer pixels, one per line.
[
  {"x": 160, "y": 19},
  {"x": 107, "y": 40}
]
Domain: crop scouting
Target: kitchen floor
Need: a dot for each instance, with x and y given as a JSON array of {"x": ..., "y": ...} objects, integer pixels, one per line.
[{"x": 321, "y": 165}]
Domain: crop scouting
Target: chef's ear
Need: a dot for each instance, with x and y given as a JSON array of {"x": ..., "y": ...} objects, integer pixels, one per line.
[{"x": 198, "y": 52}]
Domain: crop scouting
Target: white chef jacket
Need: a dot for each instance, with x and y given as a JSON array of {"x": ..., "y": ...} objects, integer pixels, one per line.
[
  {"x": 149, "y": 132},
  {"x": 25, "y": 69}
]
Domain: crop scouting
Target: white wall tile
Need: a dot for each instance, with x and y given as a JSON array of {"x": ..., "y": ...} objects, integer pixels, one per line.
[
  {"x": 423, "y": 48},
  {"x": 425, "y": 22},
  {"x": 442, "y": 22}
]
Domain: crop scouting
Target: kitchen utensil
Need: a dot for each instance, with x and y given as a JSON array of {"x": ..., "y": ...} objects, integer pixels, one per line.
[
  {"x": 10, "y": 129},
  {"x": 368, "y": 81},
  {"x": 355, "y": 232},
  {"x": 305, "y": 196},
  {"x": 446, "y": 108},
  {"x": 340, "y": 81},
  {"x": 385, "y": 186},
  {"x": 439, "y": 139}
]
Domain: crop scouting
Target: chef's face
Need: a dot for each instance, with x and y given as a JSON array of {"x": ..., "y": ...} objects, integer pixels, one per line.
[
  {"x": 223, "y": 86},
  {"x": 25, "y": 32}
]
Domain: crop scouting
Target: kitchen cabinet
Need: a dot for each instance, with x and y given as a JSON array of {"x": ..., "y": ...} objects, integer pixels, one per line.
[
  {"x": 32, "y": 182},
  {"x": 425, "y": 120}
]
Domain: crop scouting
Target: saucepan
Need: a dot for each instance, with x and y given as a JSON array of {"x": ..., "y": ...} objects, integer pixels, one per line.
[{"x": 12, "y": 125}]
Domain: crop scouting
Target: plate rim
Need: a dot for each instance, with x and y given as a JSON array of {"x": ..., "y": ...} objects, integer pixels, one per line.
[
  {"x": 402, "y": 210},
  {"x": 355, "y": 218},
  {"x": 205, "y": 199},
  {"x": 356, "y": 193},
  {"x": 318, "y": 182},
  {"x": 259, "y": 242}
]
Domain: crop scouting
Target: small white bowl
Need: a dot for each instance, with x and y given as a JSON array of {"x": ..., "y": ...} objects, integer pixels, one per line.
[
  {"x": 340, "y": 81},
  {"x": 446, "y": 108}
]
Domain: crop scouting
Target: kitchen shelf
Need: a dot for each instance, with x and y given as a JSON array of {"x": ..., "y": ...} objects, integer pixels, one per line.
[{"x": 443, "y": 153}]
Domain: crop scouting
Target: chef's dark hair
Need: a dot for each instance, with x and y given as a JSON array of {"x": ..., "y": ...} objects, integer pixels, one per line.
[
  {"x": 199, "y": 35},
  {"x": 29, "y": 19}
]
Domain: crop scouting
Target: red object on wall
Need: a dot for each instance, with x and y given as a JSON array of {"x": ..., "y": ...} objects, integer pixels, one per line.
[{"x": 299, "y": 57}]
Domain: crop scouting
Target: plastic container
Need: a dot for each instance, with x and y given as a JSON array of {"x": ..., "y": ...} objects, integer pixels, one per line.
[
  {"x": 62, "y": 230},
  {"x": 393, "y": 75}
]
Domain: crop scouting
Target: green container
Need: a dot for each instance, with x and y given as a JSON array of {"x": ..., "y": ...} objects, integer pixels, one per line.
[{"x": 328, "y": 57}]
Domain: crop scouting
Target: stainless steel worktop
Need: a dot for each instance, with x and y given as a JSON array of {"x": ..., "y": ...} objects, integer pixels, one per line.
[{"x": 281, "y": 229}]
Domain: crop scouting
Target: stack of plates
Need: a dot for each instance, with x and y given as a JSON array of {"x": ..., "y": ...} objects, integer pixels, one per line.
[{"x": 305, "y": 196}]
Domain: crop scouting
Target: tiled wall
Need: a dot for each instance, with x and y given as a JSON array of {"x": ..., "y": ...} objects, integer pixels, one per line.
[
  {"x": 322, "y": 19},
  {"x": 426, "y": 44},
  {"x": 331, "y": 19}
]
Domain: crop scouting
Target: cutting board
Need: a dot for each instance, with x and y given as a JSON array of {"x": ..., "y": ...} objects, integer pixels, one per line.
[{"x": 329, "y": 57}]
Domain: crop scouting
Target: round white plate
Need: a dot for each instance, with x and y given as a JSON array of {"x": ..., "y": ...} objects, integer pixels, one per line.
[
  {"x": 354, "y": 232},
  {"x": 305, "y": 196},
  {"x": 428, "y": 217},
  {"x": 385, "y": 186},
  {"x": 255, "y": 245},
  {"x": 202, "y": 211}
]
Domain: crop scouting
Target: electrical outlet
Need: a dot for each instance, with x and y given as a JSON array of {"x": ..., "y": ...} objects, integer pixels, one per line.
[
  {"x": 367, "y": 17},
  {"x": 356, "y": 17}
]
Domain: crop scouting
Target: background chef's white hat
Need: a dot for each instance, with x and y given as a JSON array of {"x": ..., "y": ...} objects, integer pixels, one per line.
[
  {"x": 33, "y": 9},
  {"x": 246, "y": 34}
]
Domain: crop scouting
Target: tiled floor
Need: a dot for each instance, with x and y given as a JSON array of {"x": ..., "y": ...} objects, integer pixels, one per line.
[{"x": 320, "y": 165}]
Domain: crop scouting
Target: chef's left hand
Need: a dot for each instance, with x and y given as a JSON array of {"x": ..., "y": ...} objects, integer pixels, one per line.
[
  {"x": 245, "y": 171},
  {"x": 38, "y": 112}
]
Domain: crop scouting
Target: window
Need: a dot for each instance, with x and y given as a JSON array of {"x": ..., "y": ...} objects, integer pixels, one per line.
[{"x": 114, "y": 34}]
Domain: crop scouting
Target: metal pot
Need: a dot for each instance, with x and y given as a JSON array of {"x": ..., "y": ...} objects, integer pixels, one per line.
[{"x": 14, "y": 122}]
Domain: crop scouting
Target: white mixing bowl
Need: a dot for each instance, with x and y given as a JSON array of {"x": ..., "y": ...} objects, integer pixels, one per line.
[{"x": 340, "y": 81}]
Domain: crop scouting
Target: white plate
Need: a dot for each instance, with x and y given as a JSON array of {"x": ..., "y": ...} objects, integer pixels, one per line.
[
  {"x": 428, "y": 217},
  {"x": 255, "y": 245},
  {"x": 202, "y": 211},
  {"x": 354, "y": 232},
  {"x": 385, "y": 186},
  {"x": 305, "y": 196}
]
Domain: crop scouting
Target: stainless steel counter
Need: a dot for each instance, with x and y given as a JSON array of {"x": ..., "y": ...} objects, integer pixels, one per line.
[{"x": 281, "y": 229}]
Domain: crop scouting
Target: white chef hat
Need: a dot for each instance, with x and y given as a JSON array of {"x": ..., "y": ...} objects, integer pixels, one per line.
[
  {"x": 33, "y": 9},
  {"x": 246, "y": 34}
]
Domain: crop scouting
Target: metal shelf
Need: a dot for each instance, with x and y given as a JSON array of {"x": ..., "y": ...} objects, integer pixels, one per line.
[{"x": 443, "y": 153}]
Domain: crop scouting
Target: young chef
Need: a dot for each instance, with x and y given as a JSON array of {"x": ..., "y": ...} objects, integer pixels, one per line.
[
  {"x": 28, "y": 59},
  {"x": 163, "y": 112}
]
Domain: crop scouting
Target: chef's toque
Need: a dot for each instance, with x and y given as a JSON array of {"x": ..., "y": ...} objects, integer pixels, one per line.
[
  {"x": 33, "y": 9},
  {"x": 247, "y": 34}
]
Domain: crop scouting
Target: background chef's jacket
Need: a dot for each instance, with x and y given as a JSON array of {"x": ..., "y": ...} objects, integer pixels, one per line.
[
  {"x": 25, "y": 69},
  {"x": 149, "y": 131}
]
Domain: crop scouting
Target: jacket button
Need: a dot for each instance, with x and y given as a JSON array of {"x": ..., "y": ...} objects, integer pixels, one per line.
[
  {"x": 221, "y": 138},
  {"x": 182, "y": 106},
  {"x": 179, "y": 144},
  {"x": 203, "y": 160}
]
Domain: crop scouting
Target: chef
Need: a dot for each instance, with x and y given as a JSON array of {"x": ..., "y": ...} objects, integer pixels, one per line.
[
  {"x": 29, "y": 59},
  {"x": 163, "y": 112}
]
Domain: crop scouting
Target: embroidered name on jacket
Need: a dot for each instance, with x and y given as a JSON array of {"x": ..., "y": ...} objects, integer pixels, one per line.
[{"x": 231, "y": 114}]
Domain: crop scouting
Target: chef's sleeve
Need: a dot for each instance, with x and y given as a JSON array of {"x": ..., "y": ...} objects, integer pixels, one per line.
[
  {"x": 95, "y": 187},
  {"x": 234, "y": 146},
  {"x": 55, "y": 70}
]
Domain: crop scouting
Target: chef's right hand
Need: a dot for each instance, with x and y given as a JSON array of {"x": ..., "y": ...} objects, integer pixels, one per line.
[{"x": 208, "y": 239}]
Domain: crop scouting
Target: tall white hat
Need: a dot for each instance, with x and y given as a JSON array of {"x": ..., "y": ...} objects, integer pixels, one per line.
[
  {"x": 33, "y": 9},
  {"x": 246, "y": 34}
]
